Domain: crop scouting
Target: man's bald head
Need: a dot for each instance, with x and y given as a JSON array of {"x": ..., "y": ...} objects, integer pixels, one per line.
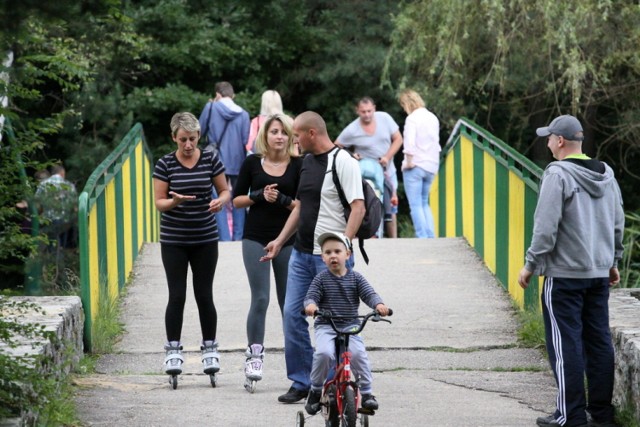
[{"x": 311, "y": 120}]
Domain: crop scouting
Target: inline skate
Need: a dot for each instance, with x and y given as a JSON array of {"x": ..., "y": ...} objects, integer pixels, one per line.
[
  {"x": 173, "y": 361},
  {"x": 253, "y": 366},
  {"x": 210, "y": 360}
]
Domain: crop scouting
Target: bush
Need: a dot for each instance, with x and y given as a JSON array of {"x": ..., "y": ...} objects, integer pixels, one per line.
[{"x": 630, "y": 263}]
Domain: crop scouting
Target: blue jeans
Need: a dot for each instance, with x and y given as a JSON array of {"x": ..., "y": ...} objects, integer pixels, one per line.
[
  {"x": 238, "y": 215},
  {"x": 417, "y": 184},
  {"x": 298, "y": 352}
]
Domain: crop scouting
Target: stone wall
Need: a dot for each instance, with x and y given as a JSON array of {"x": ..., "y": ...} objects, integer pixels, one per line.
[
  {"x": 64, "y": 317},
  {"x": 624, "y": 313}
]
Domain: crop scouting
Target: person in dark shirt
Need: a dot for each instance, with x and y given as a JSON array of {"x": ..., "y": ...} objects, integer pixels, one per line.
[
  {"x": 182, "y": 181},
  {"x": 267, "y": 185},
  {"x": 319, "y": 210}
]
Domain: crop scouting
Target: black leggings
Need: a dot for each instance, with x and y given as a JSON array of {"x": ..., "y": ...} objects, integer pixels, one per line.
[{"x": 203, "y": 260}]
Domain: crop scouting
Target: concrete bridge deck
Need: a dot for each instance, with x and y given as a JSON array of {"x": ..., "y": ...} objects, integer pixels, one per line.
[{"x": 450, "y": 357}]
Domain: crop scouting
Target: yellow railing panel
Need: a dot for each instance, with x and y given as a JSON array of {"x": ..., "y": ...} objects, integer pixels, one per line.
[
  {"x": 468, "y": 189},
  {"x": 516, "y": 235},
  {"x": 489, "y": 206}
]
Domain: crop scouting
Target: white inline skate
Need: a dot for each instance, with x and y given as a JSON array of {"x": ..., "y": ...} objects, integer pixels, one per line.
[
  {"x": 210, "y": 360},
  {"x": 253, "y": 366},
  {"x": 173, "y": 361}
]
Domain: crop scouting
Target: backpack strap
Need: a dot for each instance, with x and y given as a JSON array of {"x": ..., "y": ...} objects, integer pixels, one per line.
[
  {"x": 336, "y": 182},
  {"x": 345, "y": 204},
  {"x": 224, "y": 129},
  {"x": 204, "y": 133}
]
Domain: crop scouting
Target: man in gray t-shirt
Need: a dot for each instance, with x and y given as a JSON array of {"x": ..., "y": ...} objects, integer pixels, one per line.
[{"x": 375, "y": 135}]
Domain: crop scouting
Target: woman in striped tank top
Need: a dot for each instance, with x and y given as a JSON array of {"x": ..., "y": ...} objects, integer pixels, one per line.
[{"x": 183, "y": 181}]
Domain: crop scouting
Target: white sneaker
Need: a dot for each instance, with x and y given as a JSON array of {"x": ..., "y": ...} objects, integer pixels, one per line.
[
  {"x": 210, "y": 357},
  {"x": 173, "y": 359},
  {"x": 253, "y": 364}
]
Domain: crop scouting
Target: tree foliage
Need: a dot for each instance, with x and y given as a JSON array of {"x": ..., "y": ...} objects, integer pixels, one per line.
[
  {"x": 85, "y": 71},
  {"x": 513, "y": 66}
]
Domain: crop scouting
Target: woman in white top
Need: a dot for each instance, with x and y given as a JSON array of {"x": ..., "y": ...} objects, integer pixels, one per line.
[{"x": 421, "y": 159}]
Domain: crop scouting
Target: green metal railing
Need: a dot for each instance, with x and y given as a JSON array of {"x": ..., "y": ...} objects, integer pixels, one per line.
[
  {"x": 487, "y": 192},
  {"x": 116, "y": 215}
]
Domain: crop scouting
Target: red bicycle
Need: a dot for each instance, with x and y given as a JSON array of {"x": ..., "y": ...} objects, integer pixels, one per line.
[{"x": 340, "y": 400}]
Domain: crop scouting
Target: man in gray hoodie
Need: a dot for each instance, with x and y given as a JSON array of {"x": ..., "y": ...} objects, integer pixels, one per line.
[{"x": 576, "y": 246}]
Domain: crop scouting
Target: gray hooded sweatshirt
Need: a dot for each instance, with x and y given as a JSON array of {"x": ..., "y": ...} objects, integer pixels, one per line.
[{"x": 578, "y": 222}]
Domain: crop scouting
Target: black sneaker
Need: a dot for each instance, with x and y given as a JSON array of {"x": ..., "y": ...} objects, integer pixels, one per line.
[
  {"x": 292, "y": 396},
  {"x": 550, "y": 421},
  {"x": 547, "y": 421},
  {"x": 369, "y": 402},
  {"x": 313, "y": 402}
]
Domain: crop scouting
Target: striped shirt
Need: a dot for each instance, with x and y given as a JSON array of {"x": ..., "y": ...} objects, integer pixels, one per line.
[
  {"x": 189, "y": 223},
  {"x": 341, "y": 295}
]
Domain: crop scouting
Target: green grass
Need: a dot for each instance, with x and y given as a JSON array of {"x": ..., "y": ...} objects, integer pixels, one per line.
[
  {"x": 531, "y": 330},
  {"x": 625, "y": 417},
  {"x": 107, "y": 327}
]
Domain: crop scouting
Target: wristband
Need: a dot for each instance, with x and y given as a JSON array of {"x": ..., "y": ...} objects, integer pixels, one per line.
[
  {"x": 284, "y": 200},
  {"x": 257, "y": 195}
]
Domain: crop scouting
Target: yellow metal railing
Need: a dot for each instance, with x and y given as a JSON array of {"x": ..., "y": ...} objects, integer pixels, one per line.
[
  {"x": 116, "y": 215},
  {"x": 487, "y": 192}
]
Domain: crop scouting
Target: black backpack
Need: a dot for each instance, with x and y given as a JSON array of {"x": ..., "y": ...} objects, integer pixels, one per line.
[{"x": 373, "y": 213}]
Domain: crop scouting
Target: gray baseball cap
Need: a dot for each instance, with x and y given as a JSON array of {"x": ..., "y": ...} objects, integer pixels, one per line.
[{"x": 566, "y": 126}]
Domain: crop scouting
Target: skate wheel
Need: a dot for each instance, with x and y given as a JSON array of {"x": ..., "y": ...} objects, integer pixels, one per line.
[
  {"x": 300, "y": 419},
  {"x": 173, "y": 380},
  {"x": 213, "y": 379},
  {"x": 250, "y": 385}
]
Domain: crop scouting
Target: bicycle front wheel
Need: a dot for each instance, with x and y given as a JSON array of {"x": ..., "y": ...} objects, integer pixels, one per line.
[{"x": 349, "y": 408}]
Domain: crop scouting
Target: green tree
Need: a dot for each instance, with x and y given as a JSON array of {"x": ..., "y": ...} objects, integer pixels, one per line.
[
  {"x": 512, "y": 66},
  {"x": 342, "y": 60},
  {"x": 69, "y": 61},
  {"x": 193, "y": 44}
]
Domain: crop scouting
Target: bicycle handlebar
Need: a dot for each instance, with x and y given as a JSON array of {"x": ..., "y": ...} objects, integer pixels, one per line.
[{"x": 326, "y": 314}]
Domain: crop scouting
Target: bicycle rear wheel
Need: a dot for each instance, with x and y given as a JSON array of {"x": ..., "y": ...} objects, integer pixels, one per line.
[
  {"x": 330, "y": 407},
  {"x": 349, "y": 408}
]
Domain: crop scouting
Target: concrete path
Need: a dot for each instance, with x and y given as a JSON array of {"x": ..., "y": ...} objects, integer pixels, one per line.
[{"x": 450, "y": 357}]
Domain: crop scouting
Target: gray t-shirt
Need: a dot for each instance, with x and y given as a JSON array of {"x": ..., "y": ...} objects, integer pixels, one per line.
[{"x": 371, "y": 146}]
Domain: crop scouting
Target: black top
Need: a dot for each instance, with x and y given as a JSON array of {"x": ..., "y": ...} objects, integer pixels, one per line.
[
  {"x": 320, "y": 207},
  {"x": 189, "y": 223},
  {"x": 265, "y": 220}
]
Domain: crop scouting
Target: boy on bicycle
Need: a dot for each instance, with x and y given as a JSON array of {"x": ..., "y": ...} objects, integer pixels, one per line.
[{"x": 339, "y": 290}]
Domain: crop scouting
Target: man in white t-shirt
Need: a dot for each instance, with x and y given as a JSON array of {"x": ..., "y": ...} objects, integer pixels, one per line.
[{"x": 375, "y": 135}]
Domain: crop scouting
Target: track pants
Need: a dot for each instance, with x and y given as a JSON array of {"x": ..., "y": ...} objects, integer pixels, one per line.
[{"x": 578, "y": 339}]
